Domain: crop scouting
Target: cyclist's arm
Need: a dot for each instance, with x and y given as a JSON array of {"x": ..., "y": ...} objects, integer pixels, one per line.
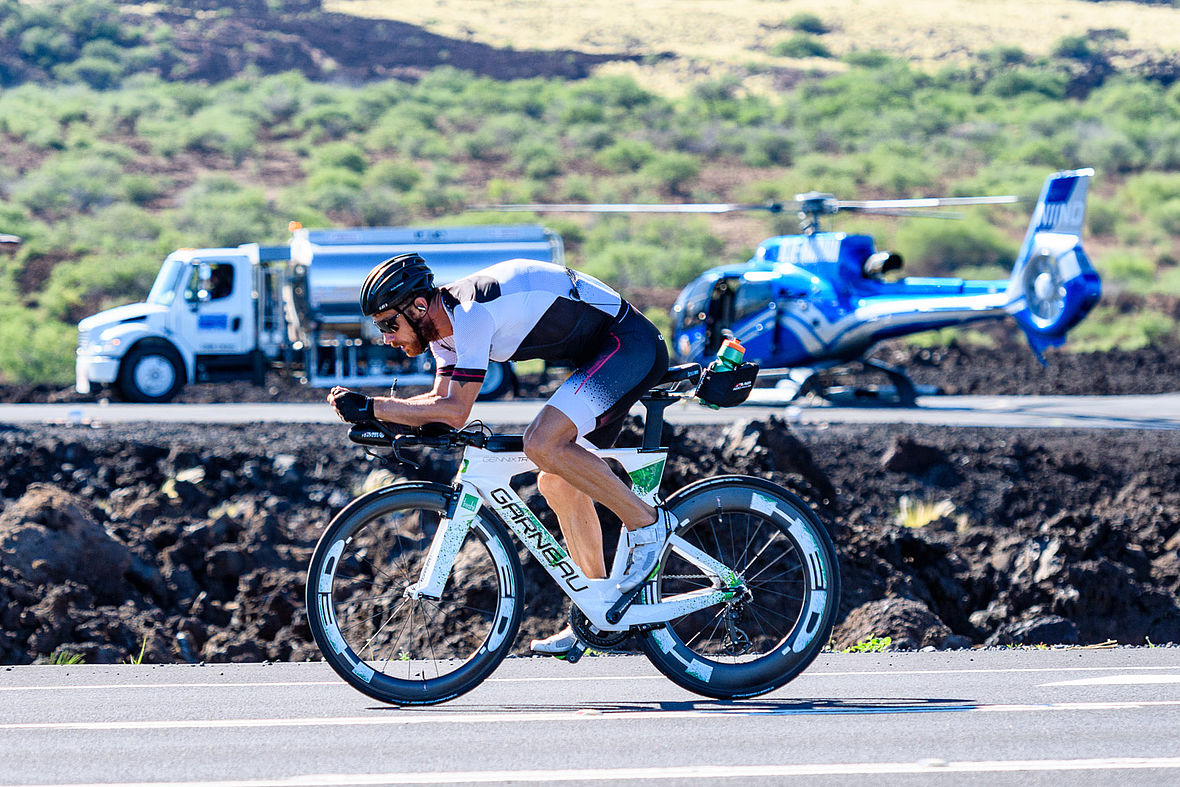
[
  {"x": 449, "y": 403},
  {"x": 457, "y": 381}
]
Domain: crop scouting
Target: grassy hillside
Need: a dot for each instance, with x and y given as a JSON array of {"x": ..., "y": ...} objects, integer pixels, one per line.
[
  {"x": 121, "y": 138},
  {"x": 747, "y": 38}
]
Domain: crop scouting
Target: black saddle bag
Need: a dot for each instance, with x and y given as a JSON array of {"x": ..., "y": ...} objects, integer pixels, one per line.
[{"x": 727, "y": 387}]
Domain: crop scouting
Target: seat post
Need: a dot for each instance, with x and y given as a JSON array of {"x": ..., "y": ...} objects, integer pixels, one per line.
[{"x": 653, "y": 424}]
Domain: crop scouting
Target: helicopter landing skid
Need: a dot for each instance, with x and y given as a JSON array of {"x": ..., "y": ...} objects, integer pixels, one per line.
[{"x": 902, "y": 392}]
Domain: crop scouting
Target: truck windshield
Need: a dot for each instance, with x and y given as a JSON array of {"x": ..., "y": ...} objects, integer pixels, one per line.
[{"x": 167, "y": 281}]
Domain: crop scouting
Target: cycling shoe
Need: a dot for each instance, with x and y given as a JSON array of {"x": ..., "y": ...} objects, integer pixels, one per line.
[
  {"x": 557, "y": 645},
  {"x": 647, "y": 543}
]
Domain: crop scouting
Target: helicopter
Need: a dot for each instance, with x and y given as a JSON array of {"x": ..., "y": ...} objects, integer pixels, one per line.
[{"x": 810, "y": 305}]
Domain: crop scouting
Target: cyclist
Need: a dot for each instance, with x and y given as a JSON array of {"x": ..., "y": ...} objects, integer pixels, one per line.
[{"x": 519, "y": 310}]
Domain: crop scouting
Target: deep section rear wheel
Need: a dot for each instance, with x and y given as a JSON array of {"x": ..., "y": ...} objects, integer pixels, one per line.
[
  {"x": 399, "y": 649},
  {"x": 787, "y": 565}
]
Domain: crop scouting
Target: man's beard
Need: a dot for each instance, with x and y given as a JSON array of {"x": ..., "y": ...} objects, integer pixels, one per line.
[{"x": 425, "y": 332}]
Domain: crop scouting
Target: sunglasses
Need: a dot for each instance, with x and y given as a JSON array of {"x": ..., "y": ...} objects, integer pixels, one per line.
[{"x": 387, "y": 325}]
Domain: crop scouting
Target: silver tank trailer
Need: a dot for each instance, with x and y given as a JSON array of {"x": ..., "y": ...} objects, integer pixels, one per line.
[{"x": 328, "y": 266}]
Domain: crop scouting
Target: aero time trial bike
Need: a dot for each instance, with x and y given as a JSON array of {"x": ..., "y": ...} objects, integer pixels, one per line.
[{"x": 415, "y": 593}]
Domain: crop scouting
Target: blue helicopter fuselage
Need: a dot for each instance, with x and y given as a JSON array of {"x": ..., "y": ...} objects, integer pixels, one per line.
[{"x": 806, "y": 299}]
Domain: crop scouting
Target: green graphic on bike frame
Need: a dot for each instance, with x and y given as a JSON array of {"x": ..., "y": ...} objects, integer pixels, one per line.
[{"x": 646, "y": 479}]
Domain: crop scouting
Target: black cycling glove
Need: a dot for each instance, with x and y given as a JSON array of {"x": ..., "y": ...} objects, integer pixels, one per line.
[{"x": 354, "y": 407}]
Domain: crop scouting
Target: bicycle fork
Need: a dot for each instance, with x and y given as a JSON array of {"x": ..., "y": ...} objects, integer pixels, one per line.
[{"x": 444, "y": 548}]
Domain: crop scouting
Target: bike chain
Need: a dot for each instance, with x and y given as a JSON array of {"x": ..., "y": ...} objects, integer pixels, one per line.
[{"x": 601, "y": 640}]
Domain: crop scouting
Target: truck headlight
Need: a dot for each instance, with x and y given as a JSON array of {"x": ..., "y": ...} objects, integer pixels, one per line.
[{"x": 106, "y": 346}]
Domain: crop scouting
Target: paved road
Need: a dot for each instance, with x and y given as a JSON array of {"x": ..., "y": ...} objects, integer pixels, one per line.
[
  {"x": 1084, "y": 412},
  {"x": 1082, "y": 717}
]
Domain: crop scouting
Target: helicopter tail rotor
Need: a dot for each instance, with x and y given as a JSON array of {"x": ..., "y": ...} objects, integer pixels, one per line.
[{"x": 1053, "y": 284}]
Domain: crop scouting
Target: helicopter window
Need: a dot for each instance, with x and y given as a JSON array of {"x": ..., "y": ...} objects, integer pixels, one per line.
[
  {"x": 751, "y": 298},
  {"x": 696, "y": 304}
]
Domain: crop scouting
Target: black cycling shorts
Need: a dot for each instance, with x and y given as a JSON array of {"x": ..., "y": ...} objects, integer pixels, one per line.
[{"x": 598, "y": 395}]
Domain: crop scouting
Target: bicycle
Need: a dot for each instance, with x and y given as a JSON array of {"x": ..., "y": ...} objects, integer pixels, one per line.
[{"x": 415, "y": 593}]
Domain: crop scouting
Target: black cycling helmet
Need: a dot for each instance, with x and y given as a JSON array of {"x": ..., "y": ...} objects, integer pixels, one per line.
[{"x": 395, "y": 281}]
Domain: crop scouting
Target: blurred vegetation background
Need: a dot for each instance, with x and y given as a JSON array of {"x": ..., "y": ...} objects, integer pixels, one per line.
[{"x": 123, "y": 137}]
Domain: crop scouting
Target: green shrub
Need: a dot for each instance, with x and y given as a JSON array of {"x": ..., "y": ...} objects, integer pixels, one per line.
[
  {"x": 1027, "y": 81},
  {"x": 218, "y": 212},
  {"x": 1102, "y": 216},
  {"x": 869, "y": 58},
  {"x": 801, "y": 45},
  {"x": 1149, "y": 189},
  {"x": 34, "y": 349},
  {"x": 933, "y": 247},
  {"x": 81, "y": 287},
  {"x": 398, "y": 175},
  {"x": 626, "y": 155},
  {"x": 1125, "y": 266},
  {"x": 334, "y": 190},
  {"x": 325, "y": 122},
  {"x": 339, "y": 155},
  {"x": 1105, "y": 329},
  {"x": 99, "y": 73},
  {"x": 69, "y": 183},
  {"x": 807, "y": 23},
  {"x": 537, "y": 160},
  {"x": 671, "y": 171},
  {"x": 1166, "y": 216},
  {"x": 1114, "y": 148},
  {"x": 666, "y": 252}
]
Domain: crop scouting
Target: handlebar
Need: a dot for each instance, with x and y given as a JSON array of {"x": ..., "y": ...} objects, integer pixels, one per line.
[{"x": 434, "y": 435}]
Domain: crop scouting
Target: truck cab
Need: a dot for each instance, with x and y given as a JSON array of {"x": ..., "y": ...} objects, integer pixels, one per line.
[{"x": 199, "y": 322}]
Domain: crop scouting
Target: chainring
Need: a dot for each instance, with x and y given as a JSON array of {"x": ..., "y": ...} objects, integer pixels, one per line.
[{"x": 599, "y": 640}]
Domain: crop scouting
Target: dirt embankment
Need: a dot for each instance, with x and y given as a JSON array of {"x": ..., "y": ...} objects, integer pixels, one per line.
[{"x": 194, "y": 540}]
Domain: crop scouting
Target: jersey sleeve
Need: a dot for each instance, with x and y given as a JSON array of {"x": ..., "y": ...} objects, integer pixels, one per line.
[
  {"x": 444, "y": 360},
  {"x": 473, "y": 327}
]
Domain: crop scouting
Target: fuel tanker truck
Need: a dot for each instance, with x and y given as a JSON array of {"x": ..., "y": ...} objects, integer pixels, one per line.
[{"x": 242, "y": 313}]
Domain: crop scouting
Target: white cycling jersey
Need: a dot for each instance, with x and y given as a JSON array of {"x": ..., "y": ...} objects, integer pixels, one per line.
[{"x": 519, "y": 310}]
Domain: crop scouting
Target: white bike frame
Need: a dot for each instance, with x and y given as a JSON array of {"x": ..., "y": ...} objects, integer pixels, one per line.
[{"x": 484, "y": 479}]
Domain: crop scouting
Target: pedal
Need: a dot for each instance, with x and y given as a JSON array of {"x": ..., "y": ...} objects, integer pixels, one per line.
[
  {"x": 575, "y": 653},
  {"x": 615, "y": 613}
]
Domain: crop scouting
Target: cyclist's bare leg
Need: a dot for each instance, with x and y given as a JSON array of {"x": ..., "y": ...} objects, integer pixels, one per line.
[
  {"x": 550, "y": 443},
  {"x": 579, "y": 523}
]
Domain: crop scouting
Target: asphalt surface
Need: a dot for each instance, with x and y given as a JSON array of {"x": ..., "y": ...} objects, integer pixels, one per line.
[
  {"x": 1082, "y": 717},
  {"x": 1086, "y": 412}
]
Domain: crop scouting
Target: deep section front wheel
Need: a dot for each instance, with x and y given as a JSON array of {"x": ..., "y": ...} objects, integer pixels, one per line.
[
  {"x": 789, "y": 589},
  {"x": 387, "y": 644}
]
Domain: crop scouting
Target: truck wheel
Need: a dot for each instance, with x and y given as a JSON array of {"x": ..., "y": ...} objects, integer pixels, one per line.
[
  {"x": 498, "y": 381},
  {"x": 152, "y": 372}
]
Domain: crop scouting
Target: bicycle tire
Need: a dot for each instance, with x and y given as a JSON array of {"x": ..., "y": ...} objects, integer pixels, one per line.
[
  {"x": 397, "y": 649},
  {"x": 786, "y": 559}
]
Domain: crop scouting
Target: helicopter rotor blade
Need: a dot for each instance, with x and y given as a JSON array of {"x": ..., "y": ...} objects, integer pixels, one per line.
[
  {"x": 931, "y": 202},
  {"x": 700, "y": 207},
  {"x": 921, "y": 214}
]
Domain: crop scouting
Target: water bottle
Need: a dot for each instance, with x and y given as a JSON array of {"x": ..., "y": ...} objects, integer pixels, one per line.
[{"x": 729, "y": 357}]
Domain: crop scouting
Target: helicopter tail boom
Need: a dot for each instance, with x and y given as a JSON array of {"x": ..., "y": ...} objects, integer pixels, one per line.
[{"x": 1053, "y": 285}]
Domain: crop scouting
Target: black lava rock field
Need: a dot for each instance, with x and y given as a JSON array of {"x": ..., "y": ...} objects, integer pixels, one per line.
[{"x": 190, "y": 543}]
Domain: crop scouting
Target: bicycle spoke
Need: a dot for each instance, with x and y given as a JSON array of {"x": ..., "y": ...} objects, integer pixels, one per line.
[
  {"x": 701, "y": 630},
  {"x": 798, "y": 565}
]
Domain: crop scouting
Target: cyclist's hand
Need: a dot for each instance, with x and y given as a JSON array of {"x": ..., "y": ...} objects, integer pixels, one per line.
[{"x": 351, "y": 406}]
